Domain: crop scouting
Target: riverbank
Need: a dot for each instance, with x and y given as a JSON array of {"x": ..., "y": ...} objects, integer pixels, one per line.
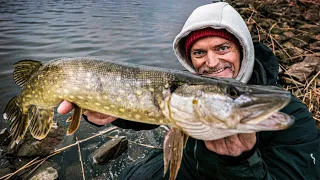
[{"x": 292, "y": 30}]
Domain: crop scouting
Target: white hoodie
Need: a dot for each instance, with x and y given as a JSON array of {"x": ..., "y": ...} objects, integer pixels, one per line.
[{"x": 218, "y": 16}]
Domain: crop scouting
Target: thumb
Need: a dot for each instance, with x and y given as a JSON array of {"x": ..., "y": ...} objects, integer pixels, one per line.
[{"x": 65, "y": 107}]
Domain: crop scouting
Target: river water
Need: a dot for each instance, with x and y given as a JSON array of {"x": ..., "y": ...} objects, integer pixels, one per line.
[{"x": 134, "y": 31}]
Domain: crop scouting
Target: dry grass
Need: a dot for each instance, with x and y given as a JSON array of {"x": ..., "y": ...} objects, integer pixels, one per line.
[{"x": 307, "y": 92}]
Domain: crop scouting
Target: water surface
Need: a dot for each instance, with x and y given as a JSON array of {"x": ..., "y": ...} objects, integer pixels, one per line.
[{"x": 133, "y": 31}]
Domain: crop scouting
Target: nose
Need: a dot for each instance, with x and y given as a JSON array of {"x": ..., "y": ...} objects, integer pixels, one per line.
[{"x": 212, "y": 60}]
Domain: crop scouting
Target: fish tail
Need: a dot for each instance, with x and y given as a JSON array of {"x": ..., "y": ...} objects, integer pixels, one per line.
[
  {"x": 18, "y": 119},
  {"x": 41, "y": 122}
]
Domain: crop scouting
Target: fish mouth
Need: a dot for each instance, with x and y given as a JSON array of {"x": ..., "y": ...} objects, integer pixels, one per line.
[
  {"x": 276, "y": 121},
  {"x": 261, "y": 106}
]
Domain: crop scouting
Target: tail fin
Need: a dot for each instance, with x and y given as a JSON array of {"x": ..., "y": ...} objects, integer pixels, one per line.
[
  {"x": 19, "y": 120},
  {"x": 23, "y": 71}
]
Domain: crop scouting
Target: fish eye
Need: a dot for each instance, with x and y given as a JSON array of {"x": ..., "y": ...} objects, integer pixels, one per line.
[{"x": 233, "y": 92}]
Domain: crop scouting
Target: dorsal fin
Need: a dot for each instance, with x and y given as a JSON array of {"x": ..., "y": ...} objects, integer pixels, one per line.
[{"x": 24, "y": 69}]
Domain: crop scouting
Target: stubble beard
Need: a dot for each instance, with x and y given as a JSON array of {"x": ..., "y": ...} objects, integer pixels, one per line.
[{"x": 214, "y": 71}]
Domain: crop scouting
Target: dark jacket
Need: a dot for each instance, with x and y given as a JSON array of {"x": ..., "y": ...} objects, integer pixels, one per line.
[{"x": 293, "y": 153}]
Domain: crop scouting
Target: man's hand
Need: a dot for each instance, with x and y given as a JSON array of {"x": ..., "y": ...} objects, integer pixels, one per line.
[
  {"x": 233, "y": 145},
  {"x": 94, "y": 117}
]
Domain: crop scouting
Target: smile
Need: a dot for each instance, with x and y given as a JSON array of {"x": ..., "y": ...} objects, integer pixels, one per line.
[{"x": 220, "y": 70}]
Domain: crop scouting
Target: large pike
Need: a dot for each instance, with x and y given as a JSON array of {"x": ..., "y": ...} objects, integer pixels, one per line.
[{"x": 201, "y": 107}]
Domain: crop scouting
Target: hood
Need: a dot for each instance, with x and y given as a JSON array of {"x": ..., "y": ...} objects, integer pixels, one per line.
[{"x": 218, "y": 16}]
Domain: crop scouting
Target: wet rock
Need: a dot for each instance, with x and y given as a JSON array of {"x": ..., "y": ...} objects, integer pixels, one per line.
[
  {"x": 5, "y": 137},
  {"x": 49, "y": 173},
  {"x": 276, "y": 30},
  {"x": 4, "y": 163},
  {"x": 110, "y": 150},
  {"x": 288, "y": 80},
  {"x": 289, "y": 34},
  {"x": 74, "y": 171},
  {"x": 312, "y": 15},
  {"x": 5, "y": 171},
  {"x": 312, "y": 28},
  {"x": 305, "y": 38},
  {"x": 263, "y": 37},
  {"x": 280, "y": 38},
  {"x": 298, "y": 42},
  {"x": 101, "y": 178},
  {"x": 32, "y": 147},
  {"x": 304, "y": 69},
  {"x": 296, "y": 55},
  {"x": 288, "y": 45},
  {"x": 294, "y": 51},
  {"x": 315, "y": 47},
  {"x": 265, "y": 23},
  {"x": 24, "y": 174}
]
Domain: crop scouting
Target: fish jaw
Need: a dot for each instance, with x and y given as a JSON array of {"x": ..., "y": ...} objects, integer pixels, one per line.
[
  {"x": 276, "y": 121},
  {"x": 209, "y": 114}
]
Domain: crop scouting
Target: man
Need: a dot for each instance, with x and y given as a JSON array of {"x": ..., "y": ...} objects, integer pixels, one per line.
[{"x": 215, "y": 41}]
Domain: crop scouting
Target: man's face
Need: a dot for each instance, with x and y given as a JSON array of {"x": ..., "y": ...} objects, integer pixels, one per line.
[{"x": 216, "y": 56}]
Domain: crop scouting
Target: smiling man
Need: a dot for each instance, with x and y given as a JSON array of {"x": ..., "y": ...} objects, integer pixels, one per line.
[
  {"x": 215, "y": 41},
  {"x": 214, "y": 52}
]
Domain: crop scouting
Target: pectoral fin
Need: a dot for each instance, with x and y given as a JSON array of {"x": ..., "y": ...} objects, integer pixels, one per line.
[
  {"x": 75, "y": 120},
  {"x": 174, "y": 142},
  {"x": 41, "y": 122}
]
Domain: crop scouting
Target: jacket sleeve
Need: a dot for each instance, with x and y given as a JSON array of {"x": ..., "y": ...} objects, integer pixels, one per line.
[
  {"x": 125, "y": 124},
  {"x": 293, "y": 153}
]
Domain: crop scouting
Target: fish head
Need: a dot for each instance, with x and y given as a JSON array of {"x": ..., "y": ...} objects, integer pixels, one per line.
[{"x": 240, "y": 108}]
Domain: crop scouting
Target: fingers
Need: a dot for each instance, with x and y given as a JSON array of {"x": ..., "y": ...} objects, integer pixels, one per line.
[
  {"x": 248, "y": 139},
  {"x": 218, "y": 146},
  {"x": 98, "y": 118},
  {"x": 65, "y": 107},
  {"x": 94, "y": 117},
  {"x": 233, "y": 145}
]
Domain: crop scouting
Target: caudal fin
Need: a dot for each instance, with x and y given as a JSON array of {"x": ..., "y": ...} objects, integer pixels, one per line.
[{"x": 19, "y": 120}]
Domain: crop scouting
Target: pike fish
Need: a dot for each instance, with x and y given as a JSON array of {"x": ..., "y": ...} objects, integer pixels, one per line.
[{"x": 201, "y": 107}]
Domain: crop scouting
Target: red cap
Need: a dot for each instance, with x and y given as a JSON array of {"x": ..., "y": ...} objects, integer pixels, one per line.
[{"x": 208, "y": 32}]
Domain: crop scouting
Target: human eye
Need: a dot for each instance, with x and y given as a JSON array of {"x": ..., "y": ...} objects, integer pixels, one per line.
[
  {"x": 223, "y": 48},
  {"x": 198, "y": 53}
]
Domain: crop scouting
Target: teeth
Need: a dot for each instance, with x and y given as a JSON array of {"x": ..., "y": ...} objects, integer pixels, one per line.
[{"x": 220, "y": 70}]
